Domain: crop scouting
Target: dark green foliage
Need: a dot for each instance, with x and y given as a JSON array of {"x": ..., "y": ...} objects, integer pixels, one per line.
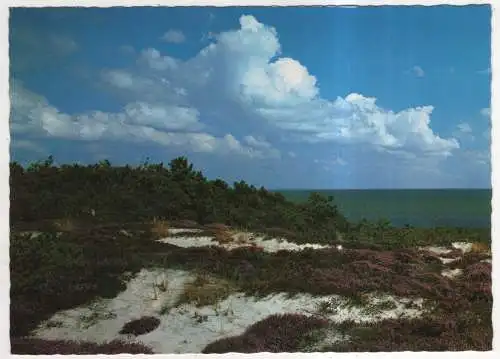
[
  {"x": 51, "y": 272},
  {"x": 275, "y": 334},
  {"x": 32, "y": 346},
  {"x": 140, "y": 326},
  {"x": 456, "y": 332},
  {"x": 382, "y": 235},
  {"x": 176, "y": 192}
]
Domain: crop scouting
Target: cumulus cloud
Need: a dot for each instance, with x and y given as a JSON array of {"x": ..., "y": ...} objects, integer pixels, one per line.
[
  {"x": 482, "y": 157},
  {"x": 174, "y": 36},
  {"x": 418, "y": 71},
  {"x": 464, "y": 127},
  {"x": 243, "y": 67},
  {"x": 240, "y": 84},
  {"x": 486, "y": 112},
  {"x": 138, "y": 122},
  {"x": 153, "y": 59},
  {"x": 464, "y": 132}
]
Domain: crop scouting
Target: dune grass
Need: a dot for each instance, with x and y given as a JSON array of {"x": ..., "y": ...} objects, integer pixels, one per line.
[
  {"x": 206, "y": 290},
  {"x": 159, "y": 228}
]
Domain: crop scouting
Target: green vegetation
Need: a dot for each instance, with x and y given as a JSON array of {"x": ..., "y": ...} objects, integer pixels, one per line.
[
  {"x": 43, "y": 191},
  {"x": 97, "y": 226}
]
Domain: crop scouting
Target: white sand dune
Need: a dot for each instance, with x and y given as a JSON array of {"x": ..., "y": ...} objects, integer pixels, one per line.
[
  {"x": 181, "y": 331},
  {"x": 448, "y": 260},
  {"x": 452, "y": 273},
  {"x": 436, "y": 250},
  {"x": 463, "y": 246},
  {"x": 183, "y": 230},
  {"x": 241, "y": 239}
]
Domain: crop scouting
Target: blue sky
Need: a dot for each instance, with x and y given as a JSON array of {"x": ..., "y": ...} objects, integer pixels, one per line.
[{"x": 367, "y": 97}]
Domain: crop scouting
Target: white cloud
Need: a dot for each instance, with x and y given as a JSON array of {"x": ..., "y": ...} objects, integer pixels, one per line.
[
  {"x": 153, "y": 59},
  {"x": 208, "y": 36},
  {"x": 243, "y": 67},
  {"x": 464, "y": 132},
  {"x": 262, "y": 145},
  {"x": 464, "y": 127},
  {"x": 139, "y": 122},
  {"x": 120, "y": 79},
  {"x": 242, "y": 77},
  {"x": 174, "y": 36},
  {"x": 482, "y": 157},
  {"x": 163, "y": 116},
  {"x": 487, "y": 135},
  {"x": 486, "y": 112},
  {"x": 283, "y": 92},
  {"x": 418, "y": 71},
  {"x": 486, "y": 71},
  {"x": 283, "y": 82}
]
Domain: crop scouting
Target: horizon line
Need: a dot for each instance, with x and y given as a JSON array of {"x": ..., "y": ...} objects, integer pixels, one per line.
[{"x": 380, "y": 189}]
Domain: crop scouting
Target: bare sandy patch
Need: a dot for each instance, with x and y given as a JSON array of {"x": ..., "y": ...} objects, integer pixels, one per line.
[
  {"x": 188, "y": 327},
  {"x": 452, "y": 273},
  {"x": 233, "y": 240},
  {"x": 465, "y": 247}
]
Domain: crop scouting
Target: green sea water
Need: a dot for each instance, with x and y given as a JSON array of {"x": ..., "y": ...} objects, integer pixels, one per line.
[{"x": 417, "y": 207}]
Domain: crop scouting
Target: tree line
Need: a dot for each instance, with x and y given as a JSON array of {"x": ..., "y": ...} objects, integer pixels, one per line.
[{"x": 177, "y": 191}]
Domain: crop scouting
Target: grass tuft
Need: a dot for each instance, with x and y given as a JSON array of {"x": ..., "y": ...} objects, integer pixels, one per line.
[
  {"x": 205, "y": 290},
  {"x": 159, "y": 228},
  {"x": 223, "y": 236},
  {"x": 479, "y": 247}
]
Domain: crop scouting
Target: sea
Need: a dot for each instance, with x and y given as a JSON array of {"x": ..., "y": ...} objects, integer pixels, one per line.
[{"x": 470, "y": 208}]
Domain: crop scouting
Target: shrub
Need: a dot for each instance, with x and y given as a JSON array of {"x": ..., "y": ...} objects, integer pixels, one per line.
[
  {"x": 479, "y": 247},
  {"x": 223, "y": 236},
  {"x": 185, "y": 223},
  {"x": 51, "y": 272},
  {"x": 217, "y": 227},
  {"x": 276, "y": 333},
  {"x": 33, "y": 346},
  {"x": 239, "y": 344},
  {"x": 159, "y": 228},
  {"x": 205, "y": 290},
  {"x": 140, "y": 326}
]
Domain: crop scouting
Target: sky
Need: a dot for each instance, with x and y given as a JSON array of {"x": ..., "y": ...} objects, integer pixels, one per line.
[{"x": 319, "y": 97}]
